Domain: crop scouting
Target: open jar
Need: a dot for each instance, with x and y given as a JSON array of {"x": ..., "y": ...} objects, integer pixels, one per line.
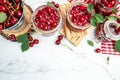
[
  {"x": 47, "y": 20},
  {"x": 14, "y": 12},
  {"x": 78, "y": 18},
  {"x": 110, "y": 30},
  {"x": 105, "y": 7}
]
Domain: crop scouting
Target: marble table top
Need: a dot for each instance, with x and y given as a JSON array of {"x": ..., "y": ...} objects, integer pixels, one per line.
[{"x": 47, "y": 61}]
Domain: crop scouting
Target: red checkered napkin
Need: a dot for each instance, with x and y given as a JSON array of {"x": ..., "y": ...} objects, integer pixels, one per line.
[{"x": 108, "y": 48}]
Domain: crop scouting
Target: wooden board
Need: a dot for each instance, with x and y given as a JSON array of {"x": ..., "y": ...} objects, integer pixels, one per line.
[
  {"x": 25, "y": 27},
  {"x": 74, "y": 37}
]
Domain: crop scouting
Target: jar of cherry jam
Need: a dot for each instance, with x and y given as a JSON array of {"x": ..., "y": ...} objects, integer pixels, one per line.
[
  {"x": 47, "y": 20},
  {"x": 105, "y": 7},
  {"x": 107, "y": 31},
  {"x": 78, "y": 18}
]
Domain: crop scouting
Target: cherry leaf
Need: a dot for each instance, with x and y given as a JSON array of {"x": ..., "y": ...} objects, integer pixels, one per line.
[
  {"x": 99, "y": 18},
  {"x": 50, "y": 4},
  {"x": 117, "y": 46},
  {"x": 110, "y": 17},
  {"x": 108, "y": 60},
  {"x": 90, "y": 7},
  {"x": 90, "y": 43},
  {"x": 22, "y": 38},
  {"x": 93, "y": 21},
  {"x": 3, "y": 17},
  {"x": 25, "y": 46}
]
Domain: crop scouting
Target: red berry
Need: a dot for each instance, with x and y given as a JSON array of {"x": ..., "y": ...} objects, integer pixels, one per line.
[
  {"x": 17, "y": 1},
  {"x": 53, "y": 3},
  {"x": 30, "y": 38},
  {"x": 13, "y": 20},
  {"x": 58, "y": 42},
  {"x": 12, "y": 37},
  {"x": 8, "y": 24},
  {"x": 117, "y": 31},
  {"x": 1, "y": 27},
  {"x": 60, "y": 37},
  {"x": 2, "y": 8},
  {"x": 18, "y": 13},
  {"x": 2, "y": 2},
  {"x": 54, "y": 24},
  {"x": 31, "y": 44},
  {"x": 36, "y": 41},
  {"x": 118, "y": 20},
  {"x": 57, "y": 5},
  {"x": 98, "y": 50}
]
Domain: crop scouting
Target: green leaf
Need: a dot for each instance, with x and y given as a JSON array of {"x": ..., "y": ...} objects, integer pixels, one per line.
[
  {"x": 50, "y": 4},
  {"x": 117, "y": 46},
  {"x": 25, "y": 46},
  {"x": 3, "y": 17},
  {"x": 99, "y": 18},
  {"x": 90, "y": 7},
  {"x": 93, "y": 21},
  {"x": 22, "y": 38},
  {"x": 114, "y": 11},
  {"x": 111, "y": 17},
  {"x": 90, "y": 43},
  {"x": 108, "y": 59}
]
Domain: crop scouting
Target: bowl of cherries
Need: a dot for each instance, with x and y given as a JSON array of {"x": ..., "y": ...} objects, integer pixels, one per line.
[
  {"x": 47, "y": 19},
  {"x": 78, "y": 17},
  {"x": 13, "y": 10}
]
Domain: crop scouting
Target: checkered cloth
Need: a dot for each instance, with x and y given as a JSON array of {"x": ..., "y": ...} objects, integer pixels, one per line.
[{"x": 108, "y": 48}]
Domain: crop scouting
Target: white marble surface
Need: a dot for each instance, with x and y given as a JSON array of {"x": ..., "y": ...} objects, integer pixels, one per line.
[{"x": 47, "y": 61}]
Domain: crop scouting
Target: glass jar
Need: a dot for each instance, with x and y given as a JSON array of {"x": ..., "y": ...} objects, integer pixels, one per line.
[
  {"x": 105, "y": 7},
  {"x": 78, "y": 18},
  {"x": 47, "y": 20},
  {"x": 107, "y": 31}
]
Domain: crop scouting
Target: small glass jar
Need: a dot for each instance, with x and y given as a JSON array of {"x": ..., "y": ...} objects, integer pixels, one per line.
[
  {"x": 47, "y": 20},
  {"x": 106, "y": 31},
  {"x": 78, "y": 18},
  {"x": 105, "y": 7}
]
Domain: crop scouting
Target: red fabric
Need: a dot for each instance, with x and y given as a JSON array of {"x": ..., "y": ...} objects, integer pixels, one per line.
[{"x": 108, "y": 48}]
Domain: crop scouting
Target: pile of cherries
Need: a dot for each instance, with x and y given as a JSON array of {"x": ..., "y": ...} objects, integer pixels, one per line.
[
  {"x": 47, "y": 17},
  {"x": 79, "y": 15},
  {"x": 13, "y": 10}
]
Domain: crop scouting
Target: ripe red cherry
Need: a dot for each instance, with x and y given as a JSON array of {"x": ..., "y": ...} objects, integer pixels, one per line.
[
  {"x": 60, "y": 37},
  {"x": 12, "y": 37},
  {"x": 18, "y": 13},
  {"x": 2, "y": 8},
  {"x": 31, "y": 44},
  {"x": 17, "y": 1},
  {"x": 58, "y": 42},
  {"x": 1, "y": 27},
  {"x": 8, "y": 24},
  {"x": 36, "y": 41},
  {"x": 98, "y": 50},
  {"x": 13, "y": 20},
  {"x": 57, "y": 5},
  {"x": 30, "y": 38},
  {"x": 117, "y": 31},
  {"x": 54, "y": 24},
  {"x": 118, "y": 20},
  {"x": 2, "y": 2}
]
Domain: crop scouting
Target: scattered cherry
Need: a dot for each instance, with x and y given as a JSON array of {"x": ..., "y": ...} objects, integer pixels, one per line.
[
  {"x": 30, "y": 38},
  {"x": 58, "y": 42},
  {"x": 31, "y": 44},
  {"x": 53, "y": 2},
  {"x": 98, "y": 50},
  {"x": 57, "y": 5},
  {"x": 36, "y": 41},
  {"x": 60, "y": 37},
  {"x": 12, "y": 37}
]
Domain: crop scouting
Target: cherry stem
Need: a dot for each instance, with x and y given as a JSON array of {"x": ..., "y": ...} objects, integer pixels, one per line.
[
  {"x": 8, "y": 10},
  {"x": 11, "y": 6}
]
